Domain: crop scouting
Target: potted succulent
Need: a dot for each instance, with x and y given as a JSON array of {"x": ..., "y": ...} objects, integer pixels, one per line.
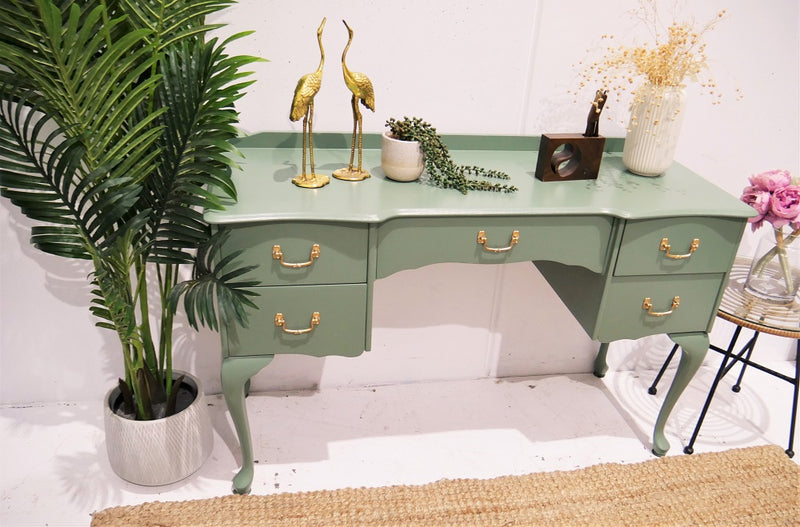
[
  {"x": 439, "y": 165},
  {"x": 116, "y": 121}
]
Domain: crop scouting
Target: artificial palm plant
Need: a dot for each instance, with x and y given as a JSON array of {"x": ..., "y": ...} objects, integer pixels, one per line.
[{"x": 116, "y": 121}]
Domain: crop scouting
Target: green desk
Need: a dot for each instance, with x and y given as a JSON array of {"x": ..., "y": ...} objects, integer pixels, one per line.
[{"x": 617, "y": 250}]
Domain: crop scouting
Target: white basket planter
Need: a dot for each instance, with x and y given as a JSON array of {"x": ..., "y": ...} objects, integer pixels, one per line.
[{"x": 161, "y": 451}]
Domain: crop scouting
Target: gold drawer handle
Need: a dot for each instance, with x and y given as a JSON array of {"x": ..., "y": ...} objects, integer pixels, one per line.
[
  {"x": 665, "y": 246},
  {"x": 647, "y": 305},
  {"x": 482, "y": 241},
  {"x": 277, "y": 254},
  {"x": 281, "y": 323}
]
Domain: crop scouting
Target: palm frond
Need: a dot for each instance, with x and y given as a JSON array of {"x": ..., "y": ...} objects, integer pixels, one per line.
[
  {"x": 216, "y": 292},
  {"x": 199, "y": 88},
  {"x": 171, "y": 21},
  {"x": 43, "y": 171},
  {"x": 91, "y": 94}
]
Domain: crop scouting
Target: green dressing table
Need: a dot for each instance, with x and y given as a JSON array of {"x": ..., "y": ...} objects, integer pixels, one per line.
[{"x": 629, "y": 256}]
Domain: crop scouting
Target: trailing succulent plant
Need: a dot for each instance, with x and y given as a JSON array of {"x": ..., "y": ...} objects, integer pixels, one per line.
[{"x": 441, "y": 169}]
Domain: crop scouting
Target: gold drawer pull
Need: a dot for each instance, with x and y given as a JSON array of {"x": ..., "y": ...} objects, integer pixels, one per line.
[
  {"x": 665, "y": 246},
  {"x": 281, "y": 323},
  {"x": 277, "y": 254},
  {"x": 647, "y": 305},
  {"x": 482, "y": 241}
]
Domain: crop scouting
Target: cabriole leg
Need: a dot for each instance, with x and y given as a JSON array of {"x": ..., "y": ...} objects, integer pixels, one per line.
[
  {"x": 600, "y": 363},
  {"x": 236, "y": 372},
  {"x": 694, "y": 347}
]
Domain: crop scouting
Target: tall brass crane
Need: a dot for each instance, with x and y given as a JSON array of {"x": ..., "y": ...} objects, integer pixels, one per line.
[
  {"x": 303, "y": 106},
  {"x": 361, "y": 87}
]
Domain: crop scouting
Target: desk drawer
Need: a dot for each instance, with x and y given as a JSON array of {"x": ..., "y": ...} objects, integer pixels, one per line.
[
  {"x": 408, "y": 243},
  {"x": 341, "y": 329},
  {"x": 342, "y": 255},
  {"x": 642, "y": 251},
  {"x": 622, "y": 314}
]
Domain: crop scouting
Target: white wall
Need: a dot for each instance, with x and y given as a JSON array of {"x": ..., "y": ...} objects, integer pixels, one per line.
[{"x": 468, "y": 67}]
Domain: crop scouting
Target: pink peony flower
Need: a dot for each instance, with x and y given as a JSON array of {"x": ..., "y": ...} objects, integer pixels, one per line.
[
  {"x": 785, "y": 206},
  {"x": 758, "y": 199},
  {"x": 774, "y": 199},
  {"x": 771, "y": 180}
]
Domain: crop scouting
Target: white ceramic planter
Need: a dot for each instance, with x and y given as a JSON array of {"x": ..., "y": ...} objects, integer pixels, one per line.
[
  {"x": 654, "y": 130},
  {"x": 161, "y": 451},
  {"x": 401, "y": 160}
]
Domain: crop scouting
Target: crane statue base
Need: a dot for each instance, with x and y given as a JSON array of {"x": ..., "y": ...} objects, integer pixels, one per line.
[
  {"x": 350, "y": 174},
  {"x": 311, "y": 180}
]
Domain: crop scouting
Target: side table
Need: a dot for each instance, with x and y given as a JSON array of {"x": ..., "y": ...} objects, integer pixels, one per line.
[{"x": 760, "y": 316}]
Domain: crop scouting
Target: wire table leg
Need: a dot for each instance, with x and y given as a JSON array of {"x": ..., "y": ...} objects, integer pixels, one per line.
[{"x": 652, "y": 390}]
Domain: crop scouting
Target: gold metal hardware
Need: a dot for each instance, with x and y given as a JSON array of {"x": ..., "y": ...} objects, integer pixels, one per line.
[
  {"x": 277, "y": 254},
  {"x": 482, "y": 241},
  {"x": 361, "y": 88},
  {"x": 281, "y": 323},
  {"x": 303, "y": 106},
  {"x": 647, "y": 305},
  {"x": 665, "y": 246}
]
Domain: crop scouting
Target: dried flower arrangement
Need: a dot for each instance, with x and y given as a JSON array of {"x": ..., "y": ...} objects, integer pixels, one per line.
[{"x": 676, "y": 55}]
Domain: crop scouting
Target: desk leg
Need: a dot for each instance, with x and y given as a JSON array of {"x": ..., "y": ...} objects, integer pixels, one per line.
[
  {"x": 236, "y": 372},
  {"x": 600, "y": 363},
  {"x": 694, "y": 347}
]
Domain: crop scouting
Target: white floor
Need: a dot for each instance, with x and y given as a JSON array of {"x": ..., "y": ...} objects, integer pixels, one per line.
[{"x": 54, "y": 471}]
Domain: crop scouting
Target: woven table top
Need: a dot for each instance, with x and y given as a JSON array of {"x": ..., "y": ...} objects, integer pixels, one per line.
[{"x": 742, "y": 308}]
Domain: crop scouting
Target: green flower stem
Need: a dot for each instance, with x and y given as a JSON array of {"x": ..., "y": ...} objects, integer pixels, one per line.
[{"x": 781, "y": 243}]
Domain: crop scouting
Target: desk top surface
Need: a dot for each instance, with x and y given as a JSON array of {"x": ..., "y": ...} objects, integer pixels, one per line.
[{"x": 272, "y": 160}]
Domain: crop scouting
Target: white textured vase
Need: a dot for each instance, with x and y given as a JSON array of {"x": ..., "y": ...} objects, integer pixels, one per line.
[
  {"x": 401, "y": 160},
  {"x": 161, "y": 451},
  {"x": 654, "y": 129}
]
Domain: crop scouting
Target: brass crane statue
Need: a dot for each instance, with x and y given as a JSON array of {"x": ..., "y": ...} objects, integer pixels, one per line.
[
  {"x": 303, "y": 106},
  {"x": 361, "y": 87}
]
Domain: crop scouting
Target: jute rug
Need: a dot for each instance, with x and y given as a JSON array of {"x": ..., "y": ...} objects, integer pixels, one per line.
[{"x": 749, "y": 486}]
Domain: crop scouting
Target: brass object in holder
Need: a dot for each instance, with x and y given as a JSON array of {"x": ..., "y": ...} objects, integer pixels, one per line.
[
  {"x": 361, "y": 88},
  {"x": 569, "y": 157},
  {"x": 647, "y": 305},
  {"x": 277, "y": 254},
  {"x": 482, "y": 241},
  {"x": 281, "y": 323},
  {"x": 303, "y": 106},
  {"x": 665, "y": 246}
]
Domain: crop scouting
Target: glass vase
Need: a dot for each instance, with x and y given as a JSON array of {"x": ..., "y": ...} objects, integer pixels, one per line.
[
  {"x": 775, "y": 271},
  {"x": 654, "y": 129}
]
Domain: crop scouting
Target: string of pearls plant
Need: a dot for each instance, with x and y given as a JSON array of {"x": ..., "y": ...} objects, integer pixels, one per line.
[{"x": 440, "y": 167}]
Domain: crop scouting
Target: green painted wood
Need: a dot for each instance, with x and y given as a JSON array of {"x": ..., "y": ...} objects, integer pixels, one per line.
[
  {"x": 342, "y": 257},
  {"x": 623, "y": 317},
  {"x": 373, "y": 141},
  {"x": 266, "y": 193},
  {"x": 579, "y": 289},
  {"x": 408, "y": 243},
  {"x": 235, "y": 373},
  {"x": 341, "y": 330},
  {"x": 694, "y": 347},
  {"x": 640, "y": 253},
  {"x": 574, "y": 231}
]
